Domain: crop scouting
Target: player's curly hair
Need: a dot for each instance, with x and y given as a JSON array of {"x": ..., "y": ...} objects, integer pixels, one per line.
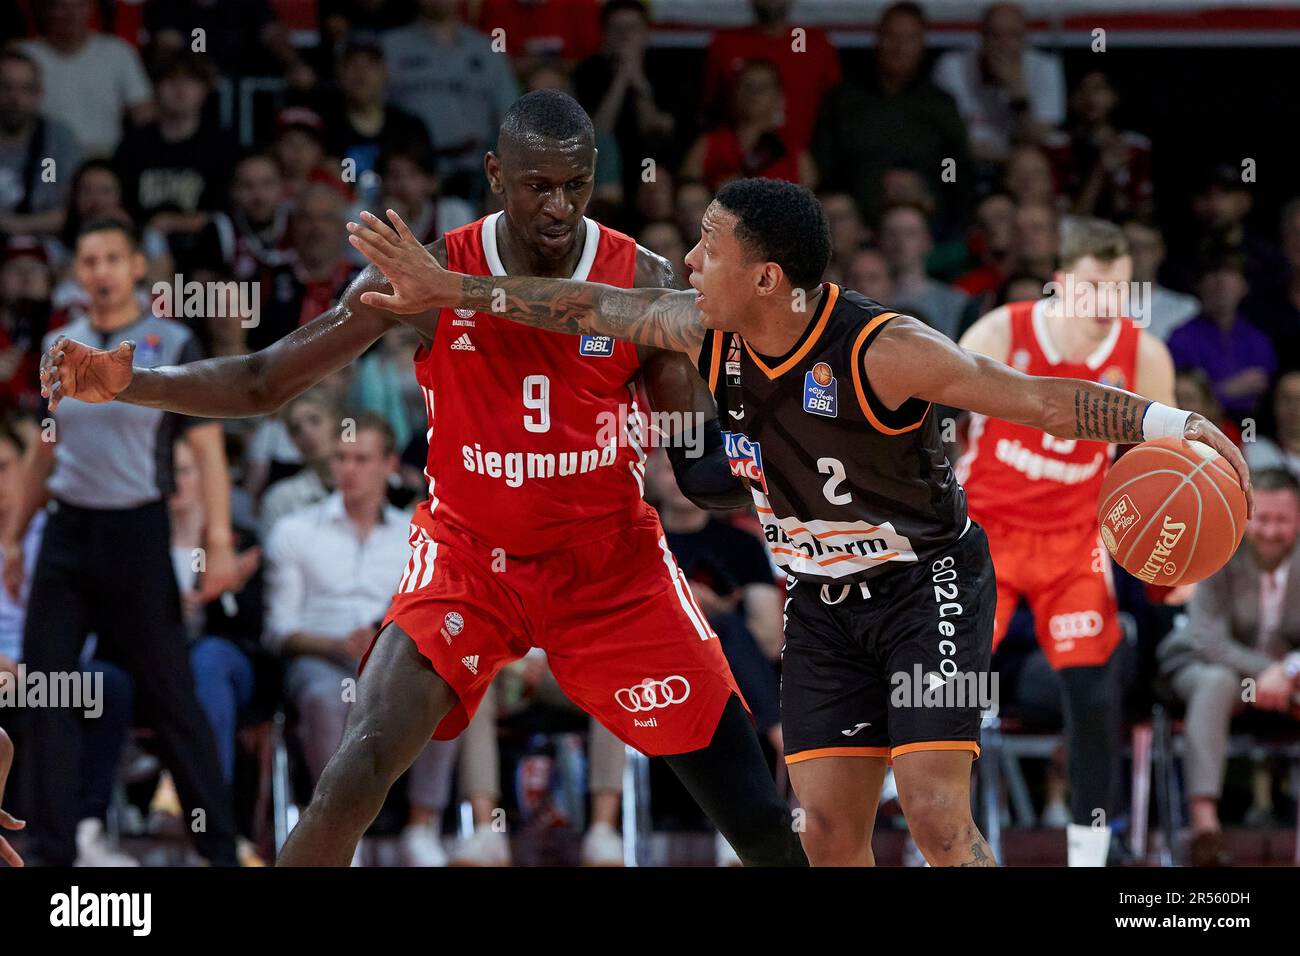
[{"x": 783, "y": 223}]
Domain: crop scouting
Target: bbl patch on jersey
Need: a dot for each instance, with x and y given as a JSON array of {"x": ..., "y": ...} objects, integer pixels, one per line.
[
  {"x": 819, "y": 391},
  {"x": 596, "y": 345},
  {"x": 149, "y": 348},
  {"x": 1114, "y": 377},
  {"x": 745, "y": 457}
]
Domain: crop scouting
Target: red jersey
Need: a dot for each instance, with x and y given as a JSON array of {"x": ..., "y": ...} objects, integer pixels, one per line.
[
  {"x": 535, "y": 440},
  {"x": 1020, "y": 476}
]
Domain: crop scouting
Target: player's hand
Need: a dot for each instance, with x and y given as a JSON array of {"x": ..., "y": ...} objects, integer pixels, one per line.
[
  {"x": 419, "y": 283},
  {"x": 1273, "y": 688},
  {"x": 1200, "y": 429},
  {"x": 14, "y": 572},
  {"x": 7, "y": 853},
  {"x": 72, "y": 370}
]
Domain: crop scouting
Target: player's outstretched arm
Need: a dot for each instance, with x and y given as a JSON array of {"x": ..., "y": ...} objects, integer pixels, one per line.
[
  {"x": 909, "y": 359},
  {"x": 229, "y": 387},
  {"x": 662, "y": 318}
]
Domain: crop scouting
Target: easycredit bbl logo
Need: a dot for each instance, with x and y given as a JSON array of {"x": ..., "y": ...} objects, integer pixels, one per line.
[{"x": 745, "y": 457}]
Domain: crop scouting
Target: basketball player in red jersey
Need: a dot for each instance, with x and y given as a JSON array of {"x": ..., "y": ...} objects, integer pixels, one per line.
[
  {"x": 534, "y": 533},
  {"x": 1036, "y": 497}
]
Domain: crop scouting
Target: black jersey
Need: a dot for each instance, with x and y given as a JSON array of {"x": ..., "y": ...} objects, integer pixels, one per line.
[{"x": 845, "y": 487}]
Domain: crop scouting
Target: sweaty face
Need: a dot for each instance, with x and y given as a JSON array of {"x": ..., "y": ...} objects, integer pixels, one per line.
[{"x": 545, "y": 185}]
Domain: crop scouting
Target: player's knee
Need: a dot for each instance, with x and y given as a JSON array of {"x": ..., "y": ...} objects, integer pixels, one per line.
[
  {"x": 830, "y": 836},
  {"x": 939, "y": 820}
]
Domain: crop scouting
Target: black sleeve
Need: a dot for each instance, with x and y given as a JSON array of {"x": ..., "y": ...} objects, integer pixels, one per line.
[{"x": 707, "y": 479}]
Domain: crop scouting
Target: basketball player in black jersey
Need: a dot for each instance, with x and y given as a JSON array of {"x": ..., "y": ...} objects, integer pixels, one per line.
[{"x": 829, "y": 397}]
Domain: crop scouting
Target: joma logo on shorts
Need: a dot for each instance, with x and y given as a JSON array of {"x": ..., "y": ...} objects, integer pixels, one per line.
[{"x": 1170, "y": 534}]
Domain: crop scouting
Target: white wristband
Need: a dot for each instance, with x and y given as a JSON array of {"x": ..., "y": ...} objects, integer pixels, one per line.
[{"x": 1161, "y": 421}]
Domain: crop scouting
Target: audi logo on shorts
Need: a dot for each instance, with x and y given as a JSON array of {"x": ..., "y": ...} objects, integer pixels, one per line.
[
  {"x": 653, "y": 694},
  {"x": 1067, "y": 627}
]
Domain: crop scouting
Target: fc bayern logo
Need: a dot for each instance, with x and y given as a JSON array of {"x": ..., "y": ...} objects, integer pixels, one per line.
[
  {"x": 465, "y": 313},
  {"x": 454, "y": 623}
]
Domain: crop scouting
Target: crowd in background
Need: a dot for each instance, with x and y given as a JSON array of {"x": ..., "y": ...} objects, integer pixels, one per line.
[{"x": 945, "y": 176}]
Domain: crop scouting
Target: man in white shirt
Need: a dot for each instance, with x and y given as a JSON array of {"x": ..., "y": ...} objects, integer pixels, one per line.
[
  {"x": 332, "y": 568},
  {"x": 1005, "y": 92},
  {"x": 1240, "y": 647},
  {"x": 91, "y": 81}
]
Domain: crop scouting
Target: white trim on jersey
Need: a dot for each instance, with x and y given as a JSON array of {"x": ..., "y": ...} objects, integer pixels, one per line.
[
  {"x": 635, "y": 439},
  {"x": 585, "y": 261},
  {"x": 684, "y": 596},
  {"x": 1038, "y": 320},
  {"x": 974, "y": 431}
]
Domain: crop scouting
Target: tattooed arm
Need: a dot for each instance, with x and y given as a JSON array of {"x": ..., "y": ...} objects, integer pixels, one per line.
[
  {"x": 661, "y": 318},
  {"x": 909, "y": 359}
]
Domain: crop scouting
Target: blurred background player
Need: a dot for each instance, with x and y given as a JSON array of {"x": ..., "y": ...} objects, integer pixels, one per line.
[{"x": 1036, "y": 496}]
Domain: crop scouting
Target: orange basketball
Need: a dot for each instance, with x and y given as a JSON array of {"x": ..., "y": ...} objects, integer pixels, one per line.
[{"x": 1172, "y": 511}]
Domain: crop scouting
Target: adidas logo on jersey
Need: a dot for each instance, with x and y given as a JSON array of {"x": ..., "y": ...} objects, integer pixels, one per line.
[
  {"x": 471, "y": 663},
  {"x": 463, "y": 344}
]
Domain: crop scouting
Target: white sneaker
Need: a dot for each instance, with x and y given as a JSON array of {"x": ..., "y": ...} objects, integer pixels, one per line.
[
  {"x": 723, "y": 854},
  {"x": 93, "y": 848},
  {"x": 421, "y": 845},
  {"x": 602, "y": 846},
  {"x": 484, "y": 847}
]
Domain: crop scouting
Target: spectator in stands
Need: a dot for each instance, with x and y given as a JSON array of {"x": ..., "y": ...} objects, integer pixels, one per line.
[
  {"x": 243, "y": 36},
  {"x": 905, "y": 242},
  {"x": 1236, "y": 355},
  {"x": 1006, "y": 92},
  {"x": 409, "y": 185},
  {"x": 868, "y": 272},
  {"x": 808, "y": 66},
  {"x": 693, "y": 197},
  {"x": 343, "y": 19},
  {"x": 898, "y": 118},
  {"x": 1283, "y": 449},
  {"x": 613, "y": 86},
  {"x": 312, "y": 421},
  {"x": 1276, "y": 308},
  {"x": 299, "y": 149},
  {"x": 1104, "y": 171},
  {"x": 103, "y": 735},
  {"x": 450, "y": 76},
  {"x": 89, "y": 80},
  {"x": 225, "y": 635},
  {"x": 1165, "y": 308},
  {"x": 25, "y": 286},
  {"x": 259, "y": 216},
  {"x": 849, "y": 232},
  {"x": 665, "y": 238},
  {"x": 384, "y": 384},
  {"x": 1241, "y": 646},
  {"x": 541, "y": 30},
  {"x": 175, "y": 170},
  {"x": 1220, "y": 207},
  {"x": 297, "y": 291},
  {"x": 31, "y": 201},
  {"x": 331, "y": 569},
  {"x": 1037, "y": 238},
  {"x": 1029, "y": 178},
  {"x": 751, "y": 142},
  {"x": 361, "y": 125},
  {"x": 991, "y": 244}
]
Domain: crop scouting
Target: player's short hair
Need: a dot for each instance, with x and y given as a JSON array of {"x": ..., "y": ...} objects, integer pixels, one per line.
[
  {"x": 1275, "y": 479},
  {"x": 546, "y": 114},
  {"x": 110, "y": 224},
  {"x": 612, "y": 7},
  {"x": 783, "y": 223},
  {"x": 1084, "y": 236},
  {"x": 903, "y": 8},
  {"x": 369, "y": 421}
]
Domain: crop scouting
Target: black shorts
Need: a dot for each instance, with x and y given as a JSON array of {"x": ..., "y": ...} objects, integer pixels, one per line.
[{"x": 898, "y": 666}]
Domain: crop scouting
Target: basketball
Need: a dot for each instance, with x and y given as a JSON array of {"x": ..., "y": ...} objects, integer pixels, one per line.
[{"x": 1172, "y": 511}]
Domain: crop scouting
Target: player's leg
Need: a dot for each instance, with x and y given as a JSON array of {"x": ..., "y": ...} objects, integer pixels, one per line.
[
  {"x": 400, "y": 701},
  {"x": 839, "y": 797},
  {"x": 1076, "y": 620},
  {"x": 934, "y": 792},
  {"x": 937, "y": 642},
  {"x": 627, "y": 643}
]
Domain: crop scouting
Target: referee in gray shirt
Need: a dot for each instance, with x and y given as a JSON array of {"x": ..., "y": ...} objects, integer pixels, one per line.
[{"x": 104, "y": 564}]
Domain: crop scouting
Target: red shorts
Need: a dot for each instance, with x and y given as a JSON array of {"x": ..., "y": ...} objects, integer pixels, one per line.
[
  {"x": 622, "y": 632},
  {"x": 1065, "y": 576}
]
